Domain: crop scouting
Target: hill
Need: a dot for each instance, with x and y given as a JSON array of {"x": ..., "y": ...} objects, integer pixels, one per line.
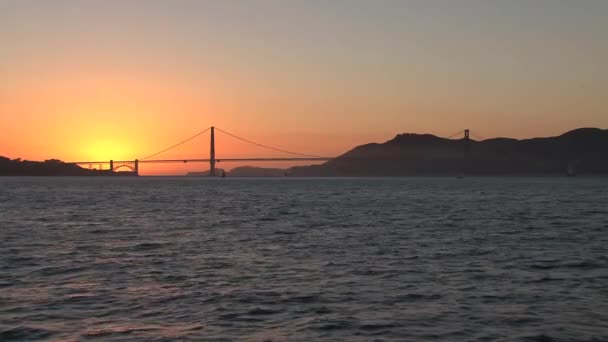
[
  {"x": 584, "y": 149},
  {"x": 251, "y": 171},
  {"x": 52, "y": 167}
]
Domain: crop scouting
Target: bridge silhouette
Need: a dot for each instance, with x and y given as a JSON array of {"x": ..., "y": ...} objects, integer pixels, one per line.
[
  {"x": 113, "y": 166},
  {"x": 133, "y": 165}
]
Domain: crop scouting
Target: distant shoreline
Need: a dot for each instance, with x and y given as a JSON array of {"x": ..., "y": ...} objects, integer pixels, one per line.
[
  {"x": 552, "y": 175},
  {"x": 580, "y": 152}
]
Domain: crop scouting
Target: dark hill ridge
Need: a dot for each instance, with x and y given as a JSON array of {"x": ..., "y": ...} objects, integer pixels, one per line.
[
  {"x": 585, "y": 149},
  {"x": 250, "y": 171},
  {"x": 52, "y": 167}
]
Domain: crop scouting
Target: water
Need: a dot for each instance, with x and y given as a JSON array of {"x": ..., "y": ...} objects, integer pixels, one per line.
[{"x": 164, "y": 259}]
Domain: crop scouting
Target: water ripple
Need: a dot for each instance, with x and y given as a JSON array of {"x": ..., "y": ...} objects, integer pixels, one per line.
[{"x": 396, "y": 259}]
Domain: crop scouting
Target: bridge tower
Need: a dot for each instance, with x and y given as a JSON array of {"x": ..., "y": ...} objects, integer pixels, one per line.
[
  {"x": 111, "y": 166},
  {"x": 467, "y": 147},
  {"x": 136, "y": 167},
  {"x": 212, "y": 153}
]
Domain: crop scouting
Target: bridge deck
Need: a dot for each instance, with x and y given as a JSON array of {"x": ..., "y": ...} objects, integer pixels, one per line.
[{"x": 204, "y": 160}]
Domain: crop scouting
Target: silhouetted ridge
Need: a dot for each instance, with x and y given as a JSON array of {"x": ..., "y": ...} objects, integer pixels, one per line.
[
  {"x": 585, "y": 132},
  {"x": 251, "y": 171},
  {"x": 584, "y": 149},
  {"x": 412, "y": 138},
  {"x": 52, "y": 167}
]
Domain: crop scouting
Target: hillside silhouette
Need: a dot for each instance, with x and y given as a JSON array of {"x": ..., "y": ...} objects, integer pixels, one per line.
[
  {"x": 51, "y": 167},
  {"x": 580, "y": 151},
  {"x": 251, "y": 171},
  {"x": 584, "y": 150}
]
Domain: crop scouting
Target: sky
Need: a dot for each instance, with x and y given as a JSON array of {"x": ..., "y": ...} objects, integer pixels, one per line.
[{"x": 122, "y": 79}]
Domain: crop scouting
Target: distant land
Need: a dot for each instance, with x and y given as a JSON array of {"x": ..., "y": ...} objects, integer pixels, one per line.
[
  {"x": 203, "y": 173},
  {"x": 243, "y": 171},
  {"x": 251, "y": 171},
  {"x": 580, "y": 151},
  {"x": 52, "y": 167}
]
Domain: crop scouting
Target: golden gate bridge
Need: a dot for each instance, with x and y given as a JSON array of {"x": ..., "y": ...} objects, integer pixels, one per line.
[{"x": 112, "y": 166}]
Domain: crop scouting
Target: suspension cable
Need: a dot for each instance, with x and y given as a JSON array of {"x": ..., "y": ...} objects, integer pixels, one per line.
[
  {"x": 455, "y": 134},
  {"x": 176, "y": 145},
  {"x": 268, "y": 147}
]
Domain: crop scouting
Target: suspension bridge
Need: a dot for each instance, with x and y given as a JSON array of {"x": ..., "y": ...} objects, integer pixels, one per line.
[{"x": 114, "y": 166}]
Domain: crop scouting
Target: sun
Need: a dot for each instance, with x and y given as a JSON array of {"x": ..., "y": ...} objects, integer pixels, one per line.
[{"x": 106, "y": 150}]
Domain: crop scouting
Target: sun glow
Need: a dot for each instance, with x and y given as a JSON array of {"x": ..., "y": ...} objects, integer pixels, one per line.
[{"x": 106, "y": 150}]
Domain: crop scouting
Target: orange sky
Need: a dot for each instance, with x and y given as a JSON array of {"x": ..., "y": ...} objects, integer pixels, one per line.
[{"x": 117, "y": 80}]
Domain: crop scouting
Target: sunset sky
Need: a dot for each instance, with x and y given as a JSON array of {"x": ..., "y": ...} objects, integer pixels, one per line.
[{"x": 104, "y": 80}]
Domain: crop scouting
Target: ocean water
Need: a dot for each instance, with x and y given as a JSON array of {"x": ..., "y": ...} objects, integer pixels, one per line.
[{"x": 387, "y": 259}]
